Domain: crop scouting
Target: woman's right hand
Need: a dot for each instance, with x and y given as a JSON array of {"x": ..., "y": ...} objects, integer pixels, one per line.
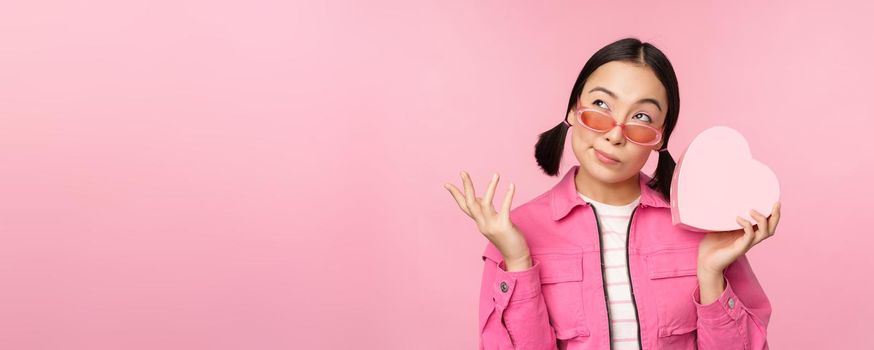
[{"x": 496, "y": 226}]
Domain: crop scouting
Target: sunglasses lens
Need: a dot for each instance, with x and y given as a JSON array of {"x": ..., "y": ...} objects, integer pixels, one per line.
[
  {"x": 597, "y": 121},
  {"x": 641, "y": 134},
  {"x": 635, "y": 132}
]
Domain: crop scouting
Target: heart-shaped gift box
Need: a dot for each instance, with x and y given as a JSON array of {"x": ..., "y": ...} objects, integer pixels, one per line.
[{"x": 716, "y": 179}]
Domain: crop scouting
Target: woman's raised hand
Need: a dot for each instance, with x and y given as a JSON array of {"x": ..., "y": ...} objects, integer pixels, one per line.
[
  {"x": 721, "y": 248},
  {"x": 496, "y": 226}
]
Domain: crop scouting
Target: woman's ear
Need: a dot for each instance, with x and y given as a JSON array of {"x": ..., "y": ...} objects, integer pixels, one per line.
[{"x": 658, "y": 146}]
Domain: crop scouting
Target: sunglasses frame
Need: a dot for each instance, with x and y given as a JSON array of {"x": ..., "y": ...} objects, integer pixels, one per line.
[{"x": 578, "y": 112}]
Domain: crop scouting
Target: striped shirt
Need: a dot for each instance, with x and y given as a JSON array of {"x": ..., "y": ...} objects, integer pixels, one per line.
[{"x": 614, "y": 233}]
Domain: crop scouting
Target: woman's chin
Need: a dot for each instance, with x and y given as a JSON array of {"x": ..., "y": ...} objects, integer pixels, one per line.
[
  {"x": 603, "y": 174},
  {"x": 609, "y": 174}
]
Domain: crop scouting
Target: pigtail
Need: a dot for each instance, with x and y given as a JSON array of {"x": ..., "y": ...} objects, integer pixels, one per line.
[
  {"x": 664, "y": 173},
  {"x": 549, "y": 148}
]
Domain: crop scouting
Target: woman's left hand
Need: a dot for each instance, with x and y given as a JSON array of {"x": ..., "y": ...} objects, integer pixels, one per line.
[{"x": 719, "y": 249}]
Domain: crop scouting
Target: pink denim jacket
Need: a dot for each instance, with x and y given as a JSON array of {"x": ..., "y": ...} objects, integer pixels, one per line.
[{"x": 560, "y": 301}]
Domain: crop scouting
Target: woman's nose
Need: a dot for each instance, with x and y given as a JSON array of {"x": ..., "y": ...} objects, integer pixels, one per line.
[{"x": 615, "y": 134}]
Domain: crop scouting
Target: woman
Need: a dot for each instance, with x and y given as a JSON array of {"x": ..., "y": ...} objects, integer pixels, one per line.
[{"x": 595, "y": 262}]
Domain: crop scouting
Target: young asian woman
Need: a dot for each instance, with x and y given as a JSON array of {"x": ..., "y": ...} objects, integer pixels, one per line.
[{"x": 595, "y": 262}]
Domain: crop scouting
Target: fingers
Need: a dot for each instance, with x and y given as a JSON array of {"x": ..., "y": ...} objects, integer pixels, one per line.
[
  {"x": 774, "y": 218},
  {"x": 508, "y": 200},
  {"x": 749, "y": 234},
  {"x": 762, "y": 230},
  {"x": 470, "y": 197},
  {"x": 490, "y": 192},
  {"x": 459, "y": 198},
  {"x": 475, "y": 206}
]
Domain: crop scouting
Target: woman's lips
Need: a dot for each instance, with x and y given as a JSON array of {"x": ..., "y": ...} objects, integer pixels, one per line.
[{"x": 605, "y": 158}]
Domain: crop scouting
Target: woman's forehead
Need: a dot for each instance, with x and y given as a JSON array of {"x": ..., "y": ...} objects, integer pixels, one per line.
[{"x": 627, "y": 81}]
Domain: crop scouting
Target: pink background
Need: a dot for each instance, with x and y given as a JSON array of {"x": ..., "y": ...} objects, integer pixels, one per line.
[{"x": 266, "y": 175}]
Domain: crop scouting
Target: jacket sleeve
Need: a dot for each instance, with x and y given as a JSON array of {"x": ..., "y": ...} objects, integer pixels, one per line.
[
  {"x": 739, "y": 318},
  {"x": 512, "y": 312}
]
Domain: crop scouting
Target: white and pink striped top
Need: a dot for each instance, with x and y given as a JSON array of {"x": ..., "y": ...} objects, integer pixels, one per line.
[{"x": 614, "y": 225}]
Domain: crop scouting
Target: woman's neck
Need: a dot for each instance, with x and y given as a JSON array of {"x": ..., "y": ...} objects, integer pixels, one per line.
[{"x": 618, "y": 193}]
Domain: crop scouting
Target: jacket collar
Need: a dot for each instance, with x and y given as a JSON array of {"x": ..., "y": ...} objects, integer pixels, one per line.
[{"x": 565, "y": 197}]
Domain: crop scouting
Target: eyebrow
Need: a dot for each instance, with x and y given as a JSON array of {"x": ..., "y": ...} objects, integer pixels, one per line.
[{"x": 608, "y": 92}]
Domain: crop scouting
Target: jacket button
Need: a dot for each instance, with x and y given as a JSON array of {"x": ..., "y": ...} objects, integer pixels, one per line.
[
  {"x": 731, "y": 303},
  {"x": 504, "y": 287}
]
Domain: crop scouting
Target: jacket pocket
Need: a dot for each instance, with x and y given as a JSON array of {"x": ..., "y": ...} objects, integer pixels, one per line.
[
  {"x": 561, "y": 278},
  {"x": 673, "y": 273}
]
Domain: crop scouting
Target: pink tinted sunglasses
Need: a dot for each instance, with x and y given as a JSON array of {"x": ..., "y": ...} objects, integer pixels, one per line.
[{"x": 601, "y": 122}]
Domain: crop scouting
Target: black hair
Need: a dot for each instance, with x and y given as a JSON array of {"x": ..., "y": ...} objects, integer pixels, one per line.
[{"x": 551, "y": 142}]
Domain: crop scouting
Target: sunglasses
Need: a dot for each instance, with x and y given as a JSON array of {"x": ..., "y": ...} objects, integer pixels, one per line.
[{"x": 601, "y": 122}]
